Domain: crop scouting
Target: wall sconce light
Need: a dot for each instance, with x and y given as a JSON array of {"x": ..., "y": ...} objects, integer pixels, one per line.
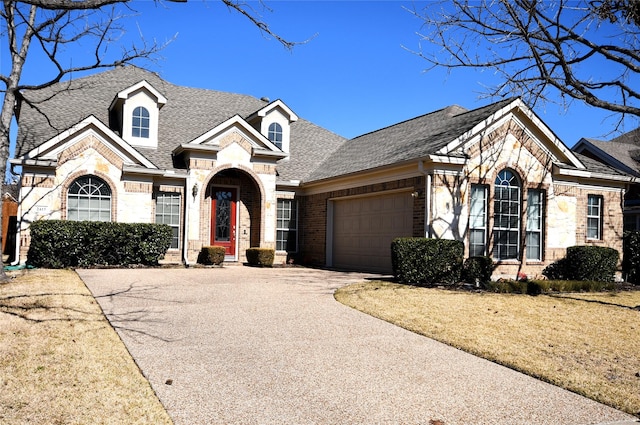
[
  {"x": 416, "y": 193},
  {"x": 194, "y": 190}
]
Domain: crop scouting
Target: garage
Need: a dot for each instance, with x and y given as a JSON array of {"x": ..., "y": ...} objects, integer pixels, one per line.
[{"x": 364, "y": 227}]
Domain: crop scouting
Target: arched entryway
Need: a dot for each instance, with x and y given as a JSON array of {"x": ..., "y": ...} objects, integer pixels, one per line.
[{"x": 234, "y": 202}]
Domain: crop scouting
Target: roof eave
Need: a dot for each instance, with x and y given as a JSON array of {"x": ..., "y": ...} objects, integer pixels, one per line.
[
  {"x": 152, "y": 172},
  {"x": 566, "y": 172},
  {"x": 188, "y": 147}
]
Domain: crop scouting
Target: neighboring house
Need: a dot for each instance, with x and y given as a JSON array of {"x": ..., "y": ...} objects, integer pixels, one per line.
[
  {"x": 622, "y": 153},
  {"x": 233, "y": 170}
]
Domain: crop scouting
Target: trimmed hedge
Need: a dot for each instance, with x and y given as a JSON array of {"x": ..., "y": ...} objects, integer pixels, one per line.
[
  {"x": 631, "y": 257},
  {"x": 586, "y": 262},
  {"x": 535, "y": 287},
  {"x": 261, "y": 256},
  {"x": 426, "y": 261},
  {"x": 58, "y": 244},
  {"x": 211, "y": 255},
  {"x": 478, "y": 270}
]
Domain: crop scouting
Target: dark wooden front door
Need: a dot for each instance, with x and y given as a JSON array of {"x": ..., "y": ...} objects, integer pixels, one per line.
[{"x": 223, "y": 218}]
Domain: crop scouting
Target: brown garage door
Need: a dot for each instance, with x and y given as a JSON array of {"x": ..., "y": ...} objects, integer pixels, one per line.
[{"x": 363, "y": 229}]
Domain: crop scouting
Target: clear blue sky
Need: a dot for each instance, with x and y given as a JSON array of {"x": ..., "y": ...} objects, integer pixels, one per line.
[{"x": 356, "y": 73}]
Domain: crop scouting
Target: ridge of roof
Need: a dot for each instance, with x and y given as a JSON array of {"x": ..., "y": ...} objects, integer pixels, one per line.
[
  {"x": 630, "y": 137},
  {"x": 188, "y": 113},
  {"x": 414, "y": 138},
  {"x": 447, "y": 110}
]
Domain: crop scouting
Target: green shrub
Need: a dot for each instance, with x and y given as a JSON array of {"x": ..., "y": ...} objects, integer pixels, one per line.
[
  {"x": 211, "y": 255},
  {"x": 580, "y": 286},
  {"x": 508, "y": 286},
  {"x": 426, "y": 261},
  {"x": 478, "y": 269},
  {"x": 556, "y": 270},
  {"x": 597, "y": 263},
  {"x": 536, "y": 287},
  {"x": 59, "y": 244},
  {"x": 631, "y": 257},
  {"x": 261, "y": 256}
]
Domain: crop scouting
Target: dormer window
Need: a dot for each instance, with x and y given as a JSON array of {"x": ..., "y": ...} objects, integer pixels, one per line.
[
  {"x": 274, "y": 121},
  {"x": 275, "y": 134},
  {"x": 135, "y": 114},
  {"x": 140, "y": 123}
]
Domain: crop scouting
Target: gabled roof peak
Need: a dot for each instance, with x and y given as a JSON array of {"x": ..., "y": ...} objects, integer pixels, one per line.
[
  {"x": 271, "y": 106},
  {"x": 144, "y": 85}
]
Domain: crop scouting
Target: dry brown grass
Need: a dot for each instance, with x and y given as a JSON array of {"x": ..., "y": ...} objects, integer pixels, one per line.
[
  {"x": 60, "y": 360},
  {"x": 590, "y": 347}
]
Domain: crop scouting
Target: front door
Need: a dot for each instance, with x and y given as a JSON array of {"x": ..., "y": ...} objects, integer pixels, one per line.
[{"x": 223, "y": 212}]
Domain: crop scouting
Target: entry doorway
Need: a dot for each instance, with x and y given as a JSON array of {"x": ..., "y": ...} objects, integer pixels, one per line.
[{"x": 223, "y": 219}]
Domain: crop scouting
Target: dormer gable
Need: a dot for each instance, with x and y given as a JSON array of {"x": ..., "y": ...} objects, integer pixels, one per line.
[
  {"x": 135, "y": 114},
  {"x": 274, "y": 122}
]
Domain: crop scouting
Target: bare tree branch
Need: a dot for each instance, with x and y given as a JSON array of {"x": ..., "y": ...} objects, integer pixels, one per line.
[{"x": 586, "y": 50}]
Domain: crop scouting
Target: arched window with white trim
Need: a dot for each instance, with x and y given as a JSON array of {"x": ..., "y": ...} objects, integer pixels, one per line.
[
  {"x": 507, "y": 209},
  {"x": 89, "y": 199},
  {"x": 275, "y": 134},
  {"x": 140, "y": 122}
]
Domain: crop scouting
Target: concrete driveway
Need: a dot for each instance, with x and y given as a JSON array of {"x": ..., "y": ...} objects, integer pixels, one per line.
[{"x": 240, "y": 345}]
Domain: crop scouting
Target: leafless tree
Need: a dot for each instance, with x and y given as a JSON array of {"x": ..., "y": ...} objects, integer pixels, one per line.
[
  {"x": 582, "y": 50},
  {"x": 48, "y": 27}
]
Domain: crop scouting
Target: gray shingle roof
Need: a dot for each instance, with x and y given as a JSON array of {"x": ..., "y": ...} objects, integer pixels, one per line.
[
  {"x": 188, "y": 113},
  {"x": 632, "y": 136},
  {"x": 412, "y": 139},
  {"x": 596, "y": 166},
  {"x": 625, "y": 153}
]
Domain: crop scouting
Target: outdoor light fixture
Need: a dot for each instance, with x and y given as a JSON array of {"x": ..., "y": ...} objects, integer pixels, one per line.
[
  {"x": 416, "y": 194},
  {"x": 194, "y": 190}
]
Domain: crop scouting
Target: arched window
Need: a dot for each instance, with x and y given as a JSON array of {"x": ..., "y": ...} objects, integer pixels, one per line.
[
  {"x": 89, "y": 199},
  {"x": 275, "y": 134},
  {"x": 506, "y": 215},
  {"x": 140, "y": 123}
]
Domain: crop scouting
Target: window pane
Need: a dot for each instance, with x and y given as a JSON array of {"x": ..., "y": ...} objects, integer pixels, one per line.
[
  {"x": 506, "y": 219},
  {"x": 593, "y": 228},
  {"x": 594, "y": 217},
  {"x": 168, "y": 212},
  {"x": 533, "y": 246},
  {"x": 286, "y": 234},
  {"x": 89, "y": 198},
  {"x": 140, "y": 122}
]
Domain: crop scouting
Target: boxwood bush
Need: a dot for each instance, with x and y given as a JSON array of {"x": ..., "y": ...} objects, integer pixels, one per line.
[
  {"x": 478, "y": 269},
  {"x": 631, "y": 257},
  {"x": 60, "y": 244},
  {"x": 597, "y": 263},
  {"x": 260, "y": 256},
  {"x": 423, "y": 261},
  {"x": 211, "y": 255}
]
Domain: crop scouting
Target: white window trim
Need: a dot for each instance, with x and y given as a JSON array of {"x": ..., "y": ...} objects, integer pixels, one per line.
[
  {"x": 484, "y": 215},
  {"x": 540, "y": 217},
  {"x": 178, "y": 226},
  {"x": 288, "y": 229},
  {"x": 598, "y": 217},
  {"x": 517, "y": 229}
]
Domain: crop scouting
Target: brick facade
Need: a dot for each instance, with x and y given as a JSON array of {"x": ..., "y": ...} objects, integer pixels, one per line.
[{"x": 312, "y": 210}]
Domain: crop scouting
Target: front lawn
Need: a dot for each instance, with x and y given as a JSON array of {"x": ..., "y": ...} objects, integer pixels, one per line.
[
  {"x": 61, "y": 362},
  {"x": 588, "y": 343}
]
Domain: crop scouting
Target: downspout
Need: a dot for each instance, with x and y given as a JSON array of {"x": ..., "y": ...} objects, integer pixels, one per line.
[
  {"x": 185, "y": 234},
  {"x": 427, "y": 199},
  {"x": 16, "y": 261}
]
